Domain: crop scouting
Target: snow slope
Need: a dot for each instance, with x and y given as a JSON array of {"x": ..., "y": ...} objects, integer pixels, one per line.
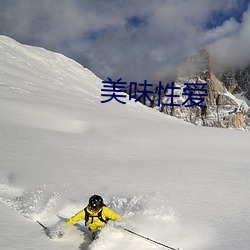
[{"x": 176, "y": 183}]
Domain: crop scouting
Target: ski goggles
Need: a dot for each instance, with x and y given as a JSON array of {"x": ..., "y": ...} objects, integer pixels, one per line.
[{"x": 94, "y": 208}]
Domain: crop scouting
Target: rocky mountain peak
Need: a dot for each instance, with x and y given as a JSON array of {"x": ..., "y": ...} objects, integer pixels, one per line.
[
  {"x": 237, "y": 81},
  {"x": 223, "y": 109},
  {"x": 197, "y": 64}
]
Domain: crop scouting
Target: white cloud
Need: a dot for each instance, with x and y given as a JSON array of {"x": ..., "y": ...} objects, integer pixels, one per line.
[
  {"x": 233, "y": 50},
  {"x": 98, "y": 34},
  {"x": 228, "y": 28}
]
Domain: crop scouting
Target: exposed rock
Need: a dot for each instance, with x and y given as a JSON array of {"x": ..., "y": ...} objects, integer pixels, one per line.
[
  {"x": 237, "y": 81},
  {"x": 222, "y": 108}
]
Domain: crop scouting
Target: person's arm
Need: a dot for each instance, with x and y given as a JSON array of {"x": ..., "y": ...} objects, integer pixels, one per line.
[
  {"x": 111, "y": 215},
  {"x": 77, "y": 217}
]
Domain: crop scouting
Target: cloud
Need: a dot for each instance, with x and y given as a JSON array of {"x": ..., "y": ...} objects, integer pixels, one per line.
[
  {"x": 233, "y": 49},
  {"x": 228, "y": 28},
  {"x": 133, "y": 39}
]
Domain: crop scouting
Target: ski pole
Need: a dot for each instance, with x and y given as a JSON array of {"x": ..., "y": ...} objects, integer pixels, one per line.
[
  {"x": 45, "y": 228},
  {"x": 146, "y": 238}
]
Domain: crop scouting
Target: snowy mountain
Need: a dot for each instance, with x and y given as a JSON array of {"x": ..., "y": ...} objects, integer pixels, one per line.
[
  {"x": 237, "y": 81},
  {"x": 183, "y": 185},
  {"x": 221, "y": 107}
]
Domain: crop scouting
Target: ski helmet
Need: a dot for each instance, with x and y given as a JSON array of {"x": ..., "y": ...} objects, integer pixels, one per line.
[{"x": 95, "y": 202}]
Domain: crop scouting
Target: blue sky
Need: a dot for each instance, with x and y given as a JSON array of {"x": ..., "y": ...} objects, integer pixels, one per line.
[
  {"x": 218, "y": 17},
  {"x": 133, "y": 39}
]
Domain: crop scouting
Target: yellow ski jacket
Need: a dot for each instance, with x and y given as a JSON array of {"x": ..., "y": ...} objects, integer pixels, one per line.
[{"x": 94, "y": 223}]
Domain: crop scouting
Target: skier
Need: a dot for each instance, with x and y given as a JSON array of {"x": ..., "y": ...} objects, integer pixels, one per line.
[{"x": 95, "y": 214}]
